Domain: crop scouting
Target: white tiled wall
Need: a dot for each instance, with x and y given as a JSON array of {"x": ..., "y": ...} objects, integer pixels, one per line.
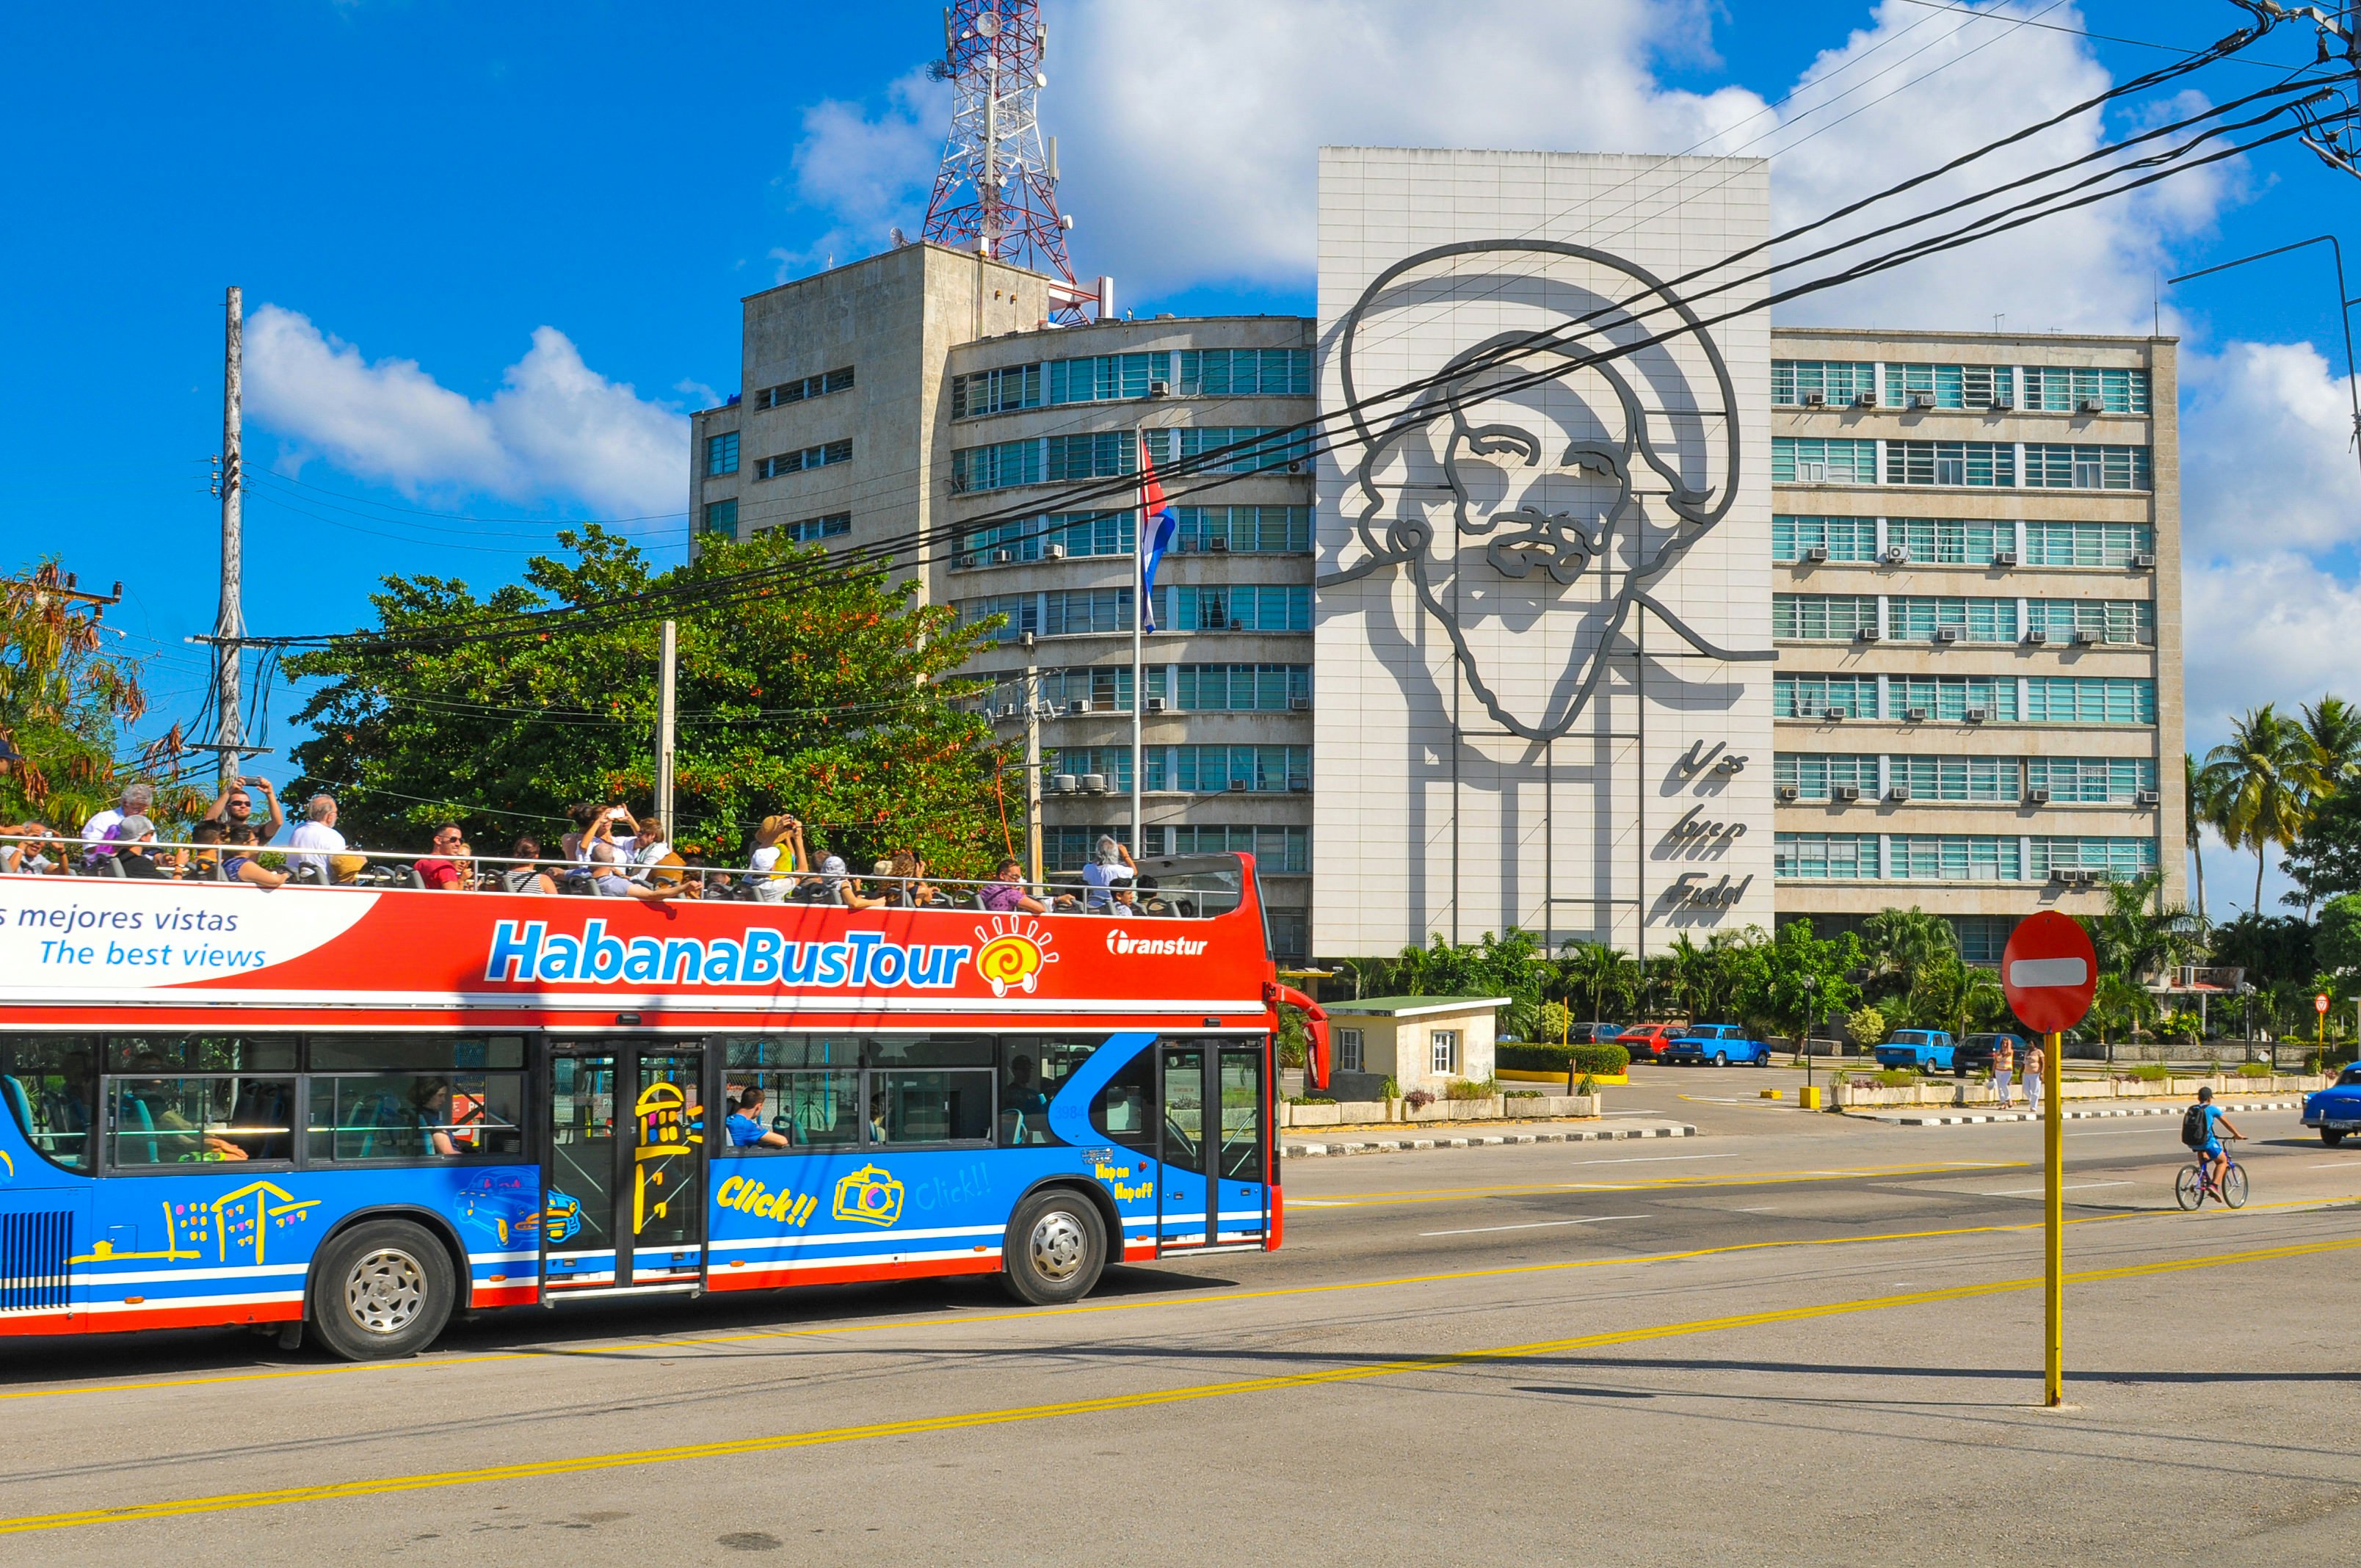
[{"x": 1401, "y": 851}]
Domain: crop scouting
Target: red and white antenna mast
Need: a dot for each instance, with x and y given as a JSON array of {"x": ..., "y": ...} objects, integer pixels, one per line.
[{"x": 997, "y": 189}]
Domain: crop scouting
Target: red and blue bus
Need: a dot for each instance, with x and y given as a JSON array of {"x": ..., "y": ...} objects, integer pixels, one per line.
[{"x": 355, "y": 1110}]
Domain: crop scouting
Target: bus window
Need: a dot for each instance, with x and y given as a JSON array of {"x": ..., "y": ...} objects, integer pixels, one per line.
[
  {"x": 1241, "y": 1115},
  {"x": 416, "y": 1115},
  {"x": 50, "y": 1082},
  {"x": 1121, "y": 1108},
  {"x": 161, "y": 1120},
  {"x": 414, "y": 1053},
  {"x": 927, "y": 1050},
  {"x": 931, "y": 1106},
  {"x": 175, "y": 1053},
  {"x": 810, "y": 1110}
]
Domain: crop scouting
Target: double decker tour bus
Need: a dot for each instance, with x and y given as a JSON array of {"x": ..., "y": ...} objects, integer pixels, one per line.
[{"x": 357, "y": 1109}]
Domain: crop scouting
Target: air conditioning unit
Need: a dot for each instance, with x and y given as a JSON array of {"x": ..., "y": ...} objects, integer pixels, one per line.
[
  {"x": 1299, "y": 786},
  {"x": 2144, "y": 562},
  {"x": 1160, "y": 389},
  {"x": 1219, "y": 544},
  {"x": 1237, "y": 786},
  {"x": 1045, "y": 710},
  {"x": 1914, "y": 715},
  {"x": 1921, "y": 401},
  {"x": 1869, "y": 634},
  {"x": 1237, "y": 625},
  {"x": 1947, "y": 634},
  {"x": 1896, "y": 555},
  {"x": 1790, "y": 792},
  {"x": 2086, "y": 635},
  {"x": 968, "y": 562},
  {"x": 2149, "y": 797},
  {"x": 2091, "y": 406},
  {"x": 1836, "y": 713},
  {"x": 1898, "y": 793},
  {"x": 1002, "y": 557},
  {"x": 1974, "y": 715},
  {"x": 1817, "y": 553},
  {"x": 1053, "y": 552},
  {"x": 1299, "y": 705},
  {"x": 1079, "y": 705},
  {"x": 1845, "y": 795},
  {"x": 2036, "y": 634},
  {"x": 2004, "y": 557},
  {"x": 1156, "y": 705},
  {"x": 2002, "y": 405},
  {"x": 1093, "y": 783},
  {"x": 2037, "y": 795},
  {"x": 2065, "y": 874},
  {"x": 1815, "y": 400},
  {"x": 1064, "y": 783},
  {"x": 1864, "y": 399}
]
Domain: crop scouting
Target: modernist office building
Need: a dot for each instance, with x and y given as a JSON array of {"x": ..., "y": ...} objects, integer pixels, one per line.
[{"x": 1714, "y": 626}]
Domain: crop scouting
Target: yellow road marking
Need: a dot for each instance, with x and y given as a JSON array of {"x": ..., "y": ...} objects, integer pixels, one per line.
[
  {"x": 533, "y": 1470},
  {"x": 1759, "y": 1179},
  {"x": 1216, "y": 1299}
]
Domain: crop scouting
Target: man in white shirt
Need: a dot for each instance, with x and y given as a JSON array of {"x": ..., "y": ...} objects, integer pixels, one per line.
[
  {"x": 317, "y": 833},
  {"x": 101, "y": 824}
]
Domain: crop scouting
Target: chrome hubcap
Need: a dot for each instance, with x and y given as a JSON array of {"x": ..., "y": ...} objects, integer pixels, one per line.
[
  {"x": 1057, "y": 1246},
  {"x": 386, "y": 1291}
]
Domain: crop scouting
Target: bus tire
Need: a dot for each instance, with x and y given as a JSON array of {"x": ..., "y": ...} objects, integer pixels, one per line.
[
  {"x": 382, "y": 1289},
  {"x": 1055, "y": 1248}
]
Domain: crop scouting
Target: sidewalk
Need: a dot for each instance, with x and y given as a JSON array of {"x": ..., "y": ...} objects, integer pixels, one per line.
[
  {"x": 1924, "y": 1118},
  {"x": 1386, "y": 1140}
]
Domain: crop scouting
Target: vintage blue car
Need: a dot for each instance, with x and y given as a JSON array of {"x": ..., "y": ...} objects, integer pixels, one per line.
[
  {"x": 1720, "y": 1044},
  {"x": 2336, "y": 1110},
  {"x": 1928, "y": 1050}
]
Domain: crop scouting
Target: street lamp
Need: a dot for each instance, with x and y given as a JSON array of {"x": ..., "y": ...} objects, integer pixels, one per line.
[{"x": 1811, "y": 1021}]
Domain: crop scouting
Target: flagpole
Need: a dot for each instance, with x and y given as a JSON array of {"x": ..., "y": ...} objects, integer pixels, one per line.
[{"x": 1138, "y": 643}]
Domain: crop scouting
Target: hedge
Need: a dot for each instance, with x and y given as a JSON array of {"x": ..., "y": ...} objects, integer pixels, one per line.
[{"x": 1603, "y": 1060}]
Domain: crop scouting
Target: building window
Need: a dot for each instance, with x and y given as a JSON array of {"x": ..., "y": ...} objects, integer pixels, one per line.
[
  {"x": 996, "y": 467},
  {"x": 1260, "y": 449},
  {"x": 1290, "y": 935},
  {"x": 1243, "y": 688},
  {"x": 1242, "y": 530},
  {"x": 2103, "y": 620},
  {"x": 1348, "y": 1050},
  {"x": 1098, "y": 454},
  {"x": 2059, "y": 466},
  {"x": 1444, "y": 1050},
  {"x": 722, "y": 517},
  {"x": 1822, "y": 617},
  {"x": 1844, "y": 538},
  {"x": 1244, "y": 373},
  {"x": 1975, "y": 464},
  {"x": 1075, "y": 612},
  {"x": 1801, "y": 460},
  {"x": 1275, "y": 847},
  {"x": 1823, "y": 697},
  {"x": 1107, "y": 378},
  {"x": 1814, "y": 775},
  {"x": 721, "y": 453},
  {"x": 810, "y": 457},
  {"x": 1925, "y": 619},
  {"x": 1253, "y": 770},
  {"x": 1833, "y": 381},
  {"x": 2065, "y": 388},
  {"x": 1949, "y": 386},
  {"x": 818, "y": 386},
  {"x": 2086, "y": 543},
  {"x": 1235, "y": 606},
  {"x": 1824, "y": 857},
  {"x": 1991, "y": 781},
  {"x": 1953, "y": 856},
  {"x": 2120, "y": 860},
  {"x": 813, "y": 529},
  {"x": 2091, "y": 781},
  {"x": 1954, "y": 699},
  {"x": 1948, "y": 542},
  {"x": 2089, "y": 699},
  {"x": 996, "y": 392}
]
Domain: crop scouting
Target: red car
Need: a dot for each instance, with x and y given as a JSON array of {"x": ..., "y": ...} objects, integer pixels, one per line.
[{"x": 1646, "y": 1041}]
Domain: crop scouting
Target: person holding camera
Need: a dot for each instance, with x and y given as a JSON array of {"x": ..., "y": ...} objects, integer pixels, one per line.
[{"x": 234, "y": 808}]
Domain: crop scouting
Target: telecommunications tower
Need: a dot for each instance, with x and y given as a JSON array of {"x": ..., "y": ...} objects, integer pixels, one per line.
[{"x": 997, "y": 189}]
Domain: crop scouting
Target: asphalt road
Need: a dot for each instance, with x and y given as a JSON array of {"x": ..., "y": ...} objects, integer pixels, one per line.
[{"x": 1793, "y": 1338}]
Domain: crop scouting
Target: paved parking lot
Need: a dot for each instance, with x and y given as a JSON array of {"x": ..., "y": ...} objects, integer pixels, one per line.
[{"x": 1792, "y": 1338}]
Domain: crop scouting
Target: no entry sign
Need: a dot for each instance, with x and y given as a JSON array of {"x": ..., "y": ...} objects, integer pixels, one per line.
[{"x": 2049, "y": 970}]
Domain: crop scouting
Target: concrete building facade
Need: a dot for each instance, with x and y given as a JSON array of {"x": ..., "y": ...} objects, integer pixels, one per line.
[{"x": 1812, "y": 622}]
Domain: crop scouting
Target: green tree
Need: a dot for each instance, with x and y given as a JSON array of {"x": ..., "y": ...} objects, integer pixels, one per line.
[
  {"x": 834, "y": 698},
  {"x": 2264, "y": 778},
  {"x": 2119, "y": 1006},
  {"x": 1899, "y": 943},
  {"x": 2199, "y": 811},
  {"x": 65, "y": 706},
  {"x": 1603, "y": 976},
  {"x": 2134, "y": 940},
  {"x": 1949, "y": 993},
  {"x": 2337, "y": 943},
  {"x": 1866, "y": 1024},
  {"x": 1802, "y": 979},
  {"x": 1688, "y": 975}
]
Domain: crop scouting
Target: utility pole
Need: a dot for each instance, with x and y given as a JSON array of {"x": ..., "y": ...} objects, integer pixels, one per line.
[
  {"x": 1032, "y": 765},
  {"x": 666, "y": 662},
  {"x": 229, "y": 626}
]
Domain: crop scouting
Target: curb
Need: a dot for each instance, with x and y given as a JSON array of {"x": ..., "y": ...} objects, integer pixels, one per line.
[
  {"x": 1400, "y": 1146},
  {"x": 1899, "y": 1120}
]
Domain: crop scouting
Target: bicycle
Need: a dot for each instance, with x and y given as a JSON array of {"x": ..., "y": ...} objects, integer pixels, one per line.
[{"x": 2195, "y": 1184}]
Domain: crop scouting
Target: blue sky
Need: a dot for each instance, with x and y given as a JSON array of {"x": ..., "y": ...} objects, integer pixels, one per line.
[{"x": 413, "y": 191}]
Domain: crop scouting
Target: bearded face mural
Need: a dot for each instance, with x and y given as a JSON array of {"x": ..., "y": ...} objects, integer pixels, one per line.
[{"x": 1575, "y": 440}]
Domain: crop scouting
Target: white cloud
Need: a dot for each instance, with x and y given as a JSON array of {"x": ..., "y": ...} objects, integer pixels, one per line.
[
  {"x": 2263, "y": 628},
  {"x": 872, "y": 173},
  {"x": 2268, "y": 454},
  {"x": 554, "y": 428}
]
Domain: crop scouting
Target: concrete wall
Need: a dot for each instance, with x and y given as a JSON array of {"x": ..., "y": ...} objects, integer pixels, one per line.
[
  {"x": 1434, "y": 815},
  {"x": 1403, "y": 1049}
]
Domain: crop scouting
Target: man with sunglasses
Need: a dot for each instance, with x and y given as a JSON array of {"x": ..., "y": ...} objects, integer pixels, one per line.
[{"x": 234, "y": 808}]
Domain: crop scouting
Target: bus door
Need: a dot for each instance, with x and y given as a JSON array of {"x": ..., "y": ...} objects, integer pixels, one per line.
[
  {"x": 1213, "y": 1191},
  {"x": 624, "y": 1205}
]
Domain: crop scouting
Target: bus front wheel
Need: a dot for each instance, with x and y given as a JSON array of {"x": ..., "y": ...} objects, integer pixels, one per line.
[
  {"x": 383, "y": 1289},
  {"x": 1055, "y": 1248}
]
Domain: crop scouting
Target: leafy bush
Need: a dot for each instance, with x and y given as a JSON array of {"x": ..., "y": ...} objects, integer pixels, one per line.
[
  {"x": 1897, "y": 1078},
  {"x": 1418, "y": 1099},
  {"x": 1866, "y": 1024},
  {"x": 1390, "y": 1088},
  {"x": 2255, "y": 1069},
  {"x": 1586, "y": 1086},
  {"x": 1555, "y": 1021},
  {"x": 2151, "y": 1072},
  {"x": 1471, "y": 1089},
  {"x": 1311, "y": 1099},
  {"x": 1606, "y": 1061}
]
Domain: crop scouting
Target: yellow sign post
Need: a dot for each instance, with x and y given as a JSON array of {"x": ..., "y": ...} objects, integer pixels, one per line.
[{"x": 2053, "y": 1199}]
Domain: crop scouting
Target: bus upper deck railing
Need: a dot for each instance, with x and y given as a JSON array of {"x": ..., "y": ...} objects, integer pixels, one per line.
[{"x": 1183, "y": 887}]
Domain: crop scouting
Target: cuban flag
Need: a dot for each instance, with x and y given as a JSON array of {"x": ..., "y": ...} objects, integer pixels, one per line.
[{"x": 1158, "y": 525}]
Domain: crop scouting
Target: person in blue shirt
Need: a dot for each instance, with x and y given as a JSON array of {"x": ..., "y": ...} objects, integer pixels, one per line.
[
  {"x": 2216, "y": 1159},
  {"x": 746, "y": 1128}
]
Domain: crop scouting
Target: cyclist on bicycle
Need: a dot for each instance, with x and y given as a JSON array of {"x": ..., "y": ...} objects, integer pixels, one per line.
[{"x": 2215, "y": 1158}]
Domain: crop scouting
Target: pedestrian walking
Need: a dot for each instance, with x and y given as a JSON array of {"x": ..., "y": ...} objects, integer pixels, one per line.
[
  {"x": 2003, "y": 1066},
  {"x": 2037, "y": 1062}
]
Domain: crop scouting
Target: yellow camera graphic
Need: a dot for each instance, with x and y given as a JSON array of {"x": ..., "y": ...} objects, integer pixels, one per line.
[{"x": 869, "y": 1196}]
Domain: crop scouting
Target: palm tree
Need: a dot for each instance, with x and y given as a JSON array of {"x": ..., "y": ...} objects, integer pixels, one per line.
[
  {"x": 1688, "y": 975},
  {"x": 2198, "y": 810},
  {"x": 2264, "y": 777},
  {"x": 2333, "y": 728},
  {"x": 1602, "y": 972}
]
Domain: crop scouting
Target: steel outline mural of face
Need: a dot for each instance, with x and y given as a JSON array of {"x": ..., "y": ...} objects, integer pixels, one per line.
[{"x": 1528, "y": 541}]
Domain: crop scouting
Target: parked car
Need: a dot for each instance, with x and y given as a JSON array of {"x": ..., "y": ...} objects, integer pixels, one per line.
[
  {"x": 1928, "y": 1050},
  {"x": 1977, "y": 1053},
  {"x": 1646, "y": 1042},
  {"x": 1593, "y": 1033},
  {"x": 2336, "y": 1110},
  {"x": 1720, "y": 1044}
]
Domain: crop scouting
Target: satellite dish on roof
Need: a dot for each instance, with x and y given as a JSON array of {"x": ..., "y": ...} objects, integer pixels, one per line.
[{"x": 988, "y": 24}]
